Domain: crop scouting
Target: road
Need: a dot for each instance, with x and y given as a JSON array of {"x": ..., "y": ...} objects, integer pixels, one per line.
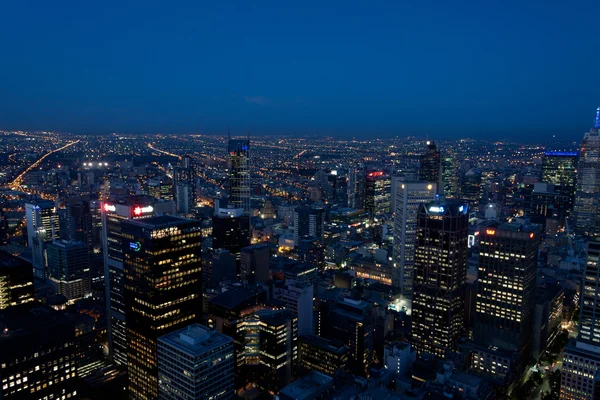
[
  {"x": 16, "y": 183},
  {"x": 163, "y": 152}
]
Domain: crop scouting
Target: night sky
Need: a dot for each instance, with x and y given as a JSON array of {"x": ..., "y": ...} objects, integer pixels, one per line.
[{"x": 357, "y": 68}]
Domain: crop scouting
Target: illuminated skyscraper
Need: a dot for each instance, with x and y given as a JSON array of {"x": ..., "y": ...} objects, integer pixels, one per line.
[
  {"x": 114, "y": 213},
  {"x": 581, "y": 358},
  {"x": 356, "y": 186},
  {"x": 560, "y": 169},
  {"x": 450, "y": 166},
  {"x": 586, "y": 209},
  {"x": 42, "y": 227},
  {"x": 431, "y": 166},
  {"x": 163, "y": 290},
  {"x": 185, "y": 185},
  {"x": 69, "y": 268},
  {"x": 409, "y": 197},
  {"x": 308, "y": 222},
  {"x": 377, "y": 193},
  {"x": 440, "y": 277},
  {"x": 239, "y": 174},
  {"x": 506, "y": 289}
]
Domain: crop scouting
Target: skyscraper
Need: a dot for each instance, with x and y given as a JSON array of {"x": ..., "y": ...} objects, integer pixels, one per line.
[
  {"x": 114, "y": 212},
  {"x": 308, "y": 221},
  {"x": 69, "y": 268},
  {"x": 163, "y": 290},
  {"x": 239, "y": 173},
  {"x": 206, "y": 359},
  {"x": 377, "y": 193},
  {"x": 409, "y": 197},
  {"x": 581, "y": 358},
  {"x": 440, "y": 277},
  {"x": 450, "y": 167},
  {"x": 356, "y": 186},
  {"x": 431, "y": 166},
  {"x": 560, "y": 169},
  {"x": 506, "y": 288},
  {"x": 42, "y": 227},
  {"x": 231, "y": 231},
  {"x": 586, "y": 209},
  {"x": 185, "y": 185}
]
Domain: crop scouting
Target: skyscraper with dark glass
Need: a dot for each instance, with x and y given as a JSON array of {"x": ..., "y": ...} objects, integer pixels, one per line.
[
  {"x": 431, "y": 166},
  {"x": 506, "y": 288},
  {"x": 185, "y": 185},
  {"x": 239, "y": 173},
  {"x": 586, "y": 209},
  {"x": 450, "y": 167},
  {"x": 377, "y": 193},
  {"x": 163, "y": 291},
  {"x": 356, "y": 186},
  {"x": 560, "y": 169},
  {"x": 440, "y": 277}
]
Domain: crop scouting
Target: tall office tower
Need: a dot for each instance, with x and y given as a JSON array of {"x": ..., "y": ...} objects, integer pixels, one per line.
[
  {"x": 581, "y": 358},
  {"x": 440, "y": 277},
  {"x": 231, "y": 231},
  {"x": 185, "y": 185},
  {"x": 560, "y": 169},
  {"x": 195, "y": 363},
  {"x": 69, "y": 268},
  {"x": 84, "y": 224},
  {"x": 308, "y": 221},
  {"x": 409, "y": 197},
  {"x": 506, "y": 290},
  {"x": 114, "y": 212},
  {"x": 450, "y": 167},
  {"x": 161, "y": 188},
  {"x": 16, "y": 281},
  {"x": 356, "y": 186},
  {"x": 323, "y": 355},
  {"x": 43, "y": 226},
  {"x": 239, "y": 173},
  {"x": 254, "y": 263},
  {"x": 470, "y": 188},
  {"x": 38, "y": 354},
  {"x": 278, "y": 331},
  {"x": 378, "y": 188},
  {"x": 351, "y": 322},
  {"x": 163, "y": 290},
  {"x": 586, "y": 209},
  {"x": 310, "y": 250},
  {"x": 431, "y": 166},
  {"x": 298, "y": 298}
]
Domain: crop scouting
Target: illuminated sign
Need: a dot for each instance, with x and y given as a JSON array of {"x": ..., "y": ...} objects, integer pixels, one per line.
[
  {"x": 470, "y": 241},
  {"x": 376, "y": 173},
  {"x": 490, "y": 231},
  {"x": 245, "y": 147},
  {"x": 109, "y": 208},
  {"x": 135, "y": 246},
  {"x": 436, "y": 209},
  {"x": 462, "y": 209},
  {"x": 143, "y": 210}
]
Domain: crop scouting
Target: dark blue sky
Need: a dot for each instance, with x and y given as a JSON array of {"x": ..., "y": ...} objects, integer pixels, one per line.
[{"x": 366, "y": 68}]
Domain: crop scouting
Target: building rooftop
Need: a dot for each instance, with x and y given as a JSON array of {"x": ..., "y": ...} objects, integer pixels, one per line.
[
  {"x": 160, "y": 221},
  {"x": 307, "y": 387},
  {"x": 195, "y": 339},
  {"x": 234, "y": 297}
]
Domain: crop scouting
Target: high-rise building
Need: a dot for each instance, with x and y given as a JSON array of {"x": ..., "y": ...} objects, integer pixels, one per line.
[
  {"x": 163, "y": 290},
  {"x": 356, "y": 186},
  {"x": 114, "y": 212},
  {"x": 377, "y": 193},
  {"x": 506, "y": 288},
  {"x": 471, "y": 188},
  {"x": 431, "y": 166},
  {"x": 161, "y": 188},
  {"x": 440, "y": 277},
  {"x": 43, "y": 226},
  {"x": 231, "y": 231},
  {"x": 239, "y": 173},
  {"x": 308, "y": 221},
  {"x": 38, "y": 354},
  {"x": 185, "y": 185},
  {"x": 323, "y": 355},
  {"x": 560, "y": 169},
  {"x": 581, "y": 358},
  {"x": 450, "y": 167},
  {"x": 409, "y": 197},
  {"x": 254, "y": 263},
  {"x": 586, "y": 209},
  {"x": 298, "y": 298},
  {"x": 16, "y": 281},
  {"x": 69, "y": 268},
  {"x": 195, "y": 363}
]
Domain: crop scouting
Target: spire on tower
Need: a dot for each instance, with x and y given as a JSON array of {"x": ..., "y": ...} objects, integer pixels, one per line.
[{"x": 597, "y": 120}]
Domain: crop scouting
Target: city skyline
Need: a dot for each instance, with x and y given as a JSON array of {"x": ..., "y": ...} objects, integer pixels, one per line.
[{"x": 345, "y": 70}]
